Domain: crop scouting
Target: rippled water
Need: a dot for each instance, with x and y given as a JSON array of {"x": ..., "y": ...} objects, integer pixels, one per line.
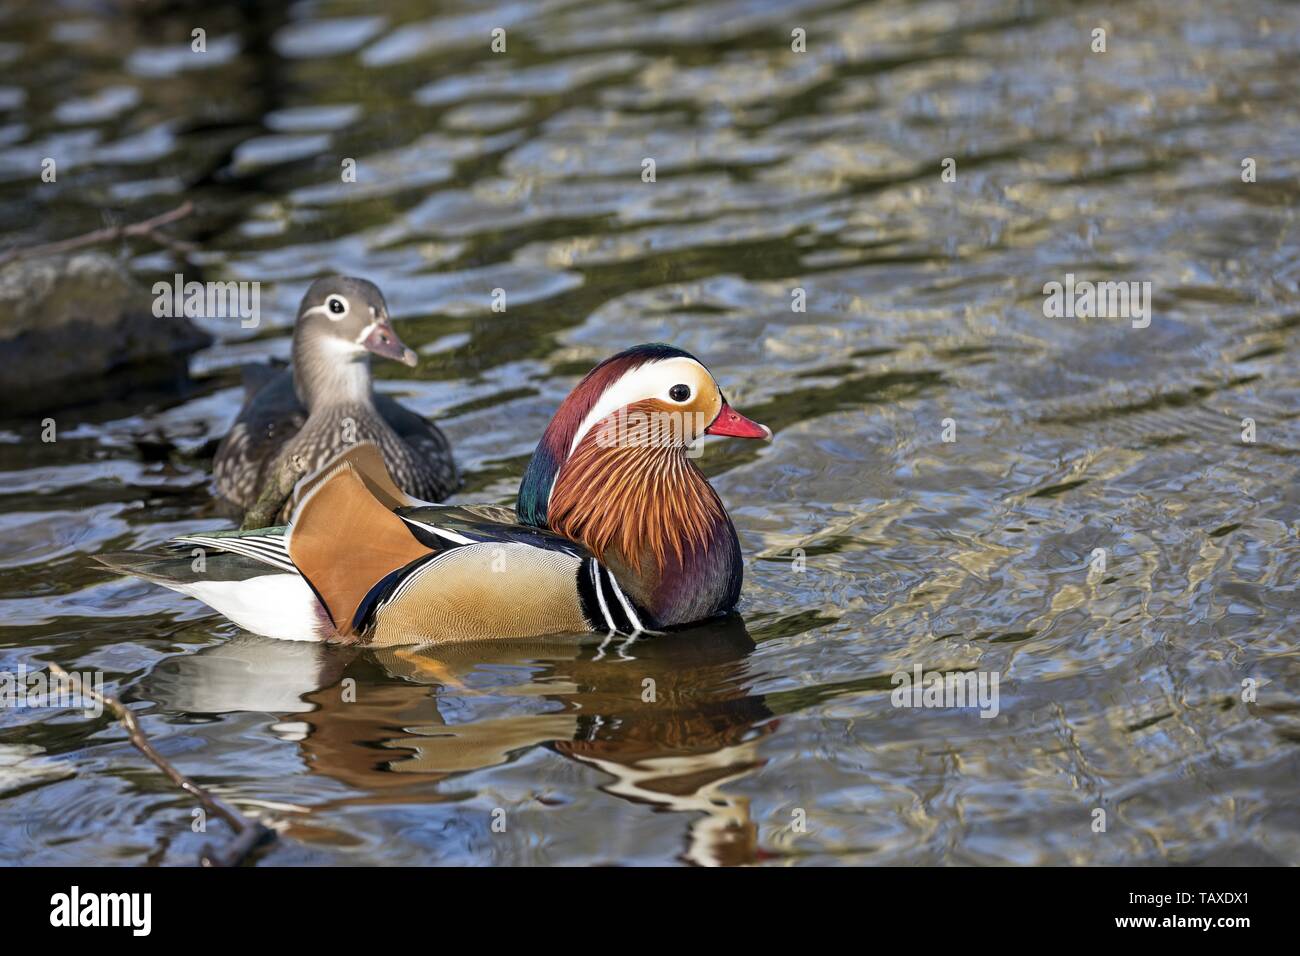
[{"x": 1120, "y": 689}]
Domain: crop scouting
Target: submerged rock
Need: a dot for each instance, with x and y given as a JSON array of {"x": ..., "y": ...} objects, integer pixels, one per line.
[{"x": 79, "y": 326}]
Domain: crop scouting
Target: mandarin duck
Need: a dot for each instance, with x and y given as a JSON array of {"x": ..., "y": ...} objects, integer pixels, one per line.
[
  {"x": 615, "y": 530},
  {"x": 326, "y": 402}
]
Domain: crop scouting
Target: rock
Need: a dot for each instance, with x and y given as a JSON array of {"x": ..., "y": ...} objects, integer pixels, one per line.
[{"x": 69, "y": 321}]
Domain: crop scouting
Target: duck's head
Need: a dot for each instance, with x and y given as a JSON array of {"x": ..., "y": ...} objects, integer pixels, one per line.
[
  {"x": 654, "y": 396},
  {"x": 612, "y": 470},
  {"x": 341, "y": 322}
]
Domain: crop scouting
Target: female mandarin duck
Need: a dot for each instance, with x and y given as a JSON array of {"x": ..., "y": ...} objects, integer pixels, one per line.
[
  {"x": 327, "y": 402},
  {"x": 615, "y": 530}
]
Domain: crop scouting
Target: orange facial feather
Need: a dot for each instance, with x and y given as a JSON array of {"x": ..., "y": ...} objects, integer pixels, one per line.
[{"x": 635, "y": 495}]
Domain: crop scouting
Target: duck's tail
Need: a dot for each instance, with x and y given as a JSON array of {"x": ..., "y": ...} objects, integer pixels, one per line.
[{"x": 259, "y": 597}]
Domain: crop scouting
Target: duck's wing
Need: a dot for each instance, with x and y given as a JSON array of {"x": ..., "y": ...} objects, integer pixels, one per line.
[
  {"x": 470, "y": 524},
  {"x": 436, "y": 477},
  {"x": 438, "y": 574},
  {"x": 194, "y": 558},
  {"x": 265, "y": 545},
  {"x": 271, "y": 416},
  {"x": 368, "y": 462},
  {"x": 255, "y": 377}
]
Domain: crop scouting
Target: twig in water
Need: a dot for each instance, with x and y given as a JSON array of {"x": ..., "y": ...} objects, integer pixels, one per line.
[
  {"x": 273, "y": 497},
  {"x": 147, "y": 228},
  {"x": 249, "y": 833}
]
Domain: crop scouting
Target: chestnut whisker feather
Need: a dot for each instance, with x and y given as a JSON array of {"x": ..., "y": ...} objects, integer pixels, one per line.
[{"x": 637, "y": 499}]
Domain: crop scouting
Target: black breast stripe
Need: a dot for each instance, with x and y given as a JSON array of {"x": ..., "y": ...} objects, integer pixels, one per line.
[
  {"x": 605, "y": 605},
  {"x": 618, "y": 615},
  {"x": 588, "y": 595}
]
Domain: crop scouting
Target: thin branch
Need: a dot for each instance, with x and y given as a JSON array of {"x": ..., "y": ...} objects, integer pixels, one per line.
[
  {"x": 147, "y": 228},
  {"x": 278, "y": 490},
  {"x": 251, "y": 834}
]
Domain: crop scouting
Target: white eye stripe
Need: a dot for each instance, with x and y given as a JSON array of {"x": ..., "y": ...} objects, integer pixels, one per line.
[
  {"x": 325, "y": 310},
  {"x": 652, "y": 380}
]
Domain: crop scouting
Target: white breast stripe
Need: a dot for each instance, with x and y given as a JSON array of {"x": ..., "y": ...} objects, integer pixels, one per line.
[
  {"x": 451, "y": 536},
  {"x": 600, "y": 595},
  {"x": 627, "y": 605}
]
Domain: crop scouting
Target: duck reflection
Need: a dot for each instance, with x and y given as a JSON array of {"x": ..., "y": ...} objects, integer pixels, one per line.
[{"x": 670, "y": 719}]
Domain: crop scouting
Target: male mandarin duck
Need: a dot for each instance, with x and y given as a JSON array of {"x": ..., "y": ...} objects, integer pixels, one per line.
[
  {"x": 326, "y": 402},
  {"x": 615, "y": 530}
]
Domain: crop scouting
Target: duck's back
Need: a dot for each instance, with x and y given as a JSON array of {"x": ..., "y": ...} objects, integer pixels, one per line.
[{"x": 273, "y": 420}]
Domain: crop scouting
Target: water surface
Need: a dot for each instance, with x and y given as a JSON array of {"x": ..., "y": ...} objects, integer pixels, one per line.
[{"x": 872, "y": 544}]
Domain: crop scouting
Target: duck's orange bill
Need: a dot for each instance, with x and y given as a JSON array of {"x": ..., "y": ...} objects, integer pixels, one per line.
[{"x": 730, "y": 422}]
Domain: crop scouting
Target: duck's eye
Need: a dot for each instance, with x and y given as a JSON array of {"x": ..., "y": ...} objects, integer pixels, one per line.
[
  {"x": 336, "y": 304},
  {"x": 679, "y": 393}
]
